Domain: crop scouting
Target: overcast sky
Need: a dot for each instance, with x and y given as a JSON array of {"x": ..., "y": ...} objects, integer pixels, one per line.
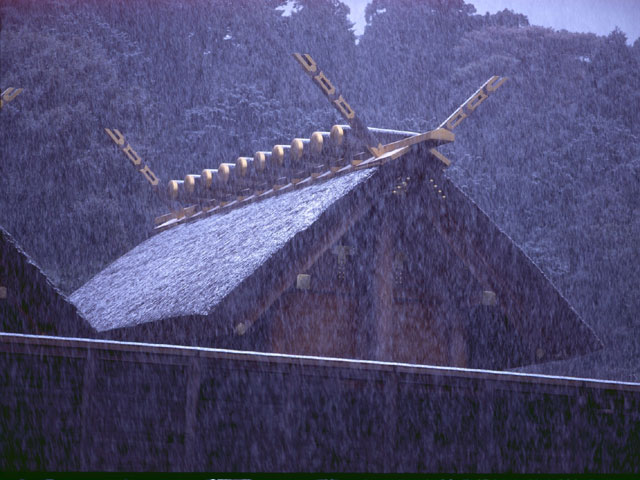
[{"x": 597, "y": 16}]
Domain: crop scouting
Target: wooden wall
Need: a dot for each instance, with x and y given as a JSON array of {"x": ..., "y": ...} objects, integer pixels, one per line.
[
  {"x": 75, "y": 404},
  {"x": 396, "y": 293}
]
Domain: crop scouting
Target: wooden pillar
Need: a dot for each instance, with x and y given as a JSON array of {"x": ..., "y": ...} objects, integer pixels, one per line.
[
  {"x": 88, "y": 388},
  {"x": 458, "y": 344},
  {"x": 390, "y": 420},
  {"x": 383, "y": 311},
  {"x": 191, "y": 405}
]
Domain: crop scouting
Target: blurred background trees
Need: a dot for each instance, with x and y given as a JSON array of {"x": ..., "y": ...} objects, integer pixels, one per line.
[{"x": 554, "y": 159}]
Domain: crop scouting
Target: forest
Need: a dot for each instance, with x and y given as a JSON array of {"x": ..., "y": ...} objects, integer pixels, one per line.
[{"x": 554, "y": 159}]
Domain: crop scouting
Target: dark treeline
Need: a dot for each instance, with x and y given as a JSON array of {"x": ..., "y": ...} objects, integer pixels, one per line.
[{"x": 554, "y": 158}]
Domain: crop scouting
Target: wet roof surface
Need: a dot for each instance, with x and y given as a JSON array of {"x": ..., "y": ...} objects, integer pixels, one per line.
[{"x": 189, "y": 269}]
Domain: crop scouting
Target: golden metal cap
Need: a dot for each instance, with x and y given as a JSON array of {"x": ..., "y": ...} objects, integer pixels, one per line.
[
  {"x": 208, "y": 177},
  {"x": 316, "y": 143},
  {"x": 242, "y": 165},
  {"x": 337, "y": 135},
  {"x": 297, "y": 148},
  {"x": 489, "y": 298},
  {"x": 224, "y": 171},
  {"x": 260, "y": 161},
  {"x": 174, "y": 188},
  {"x": 277, "y": 154},
  {"x": 190, "y": 182}
]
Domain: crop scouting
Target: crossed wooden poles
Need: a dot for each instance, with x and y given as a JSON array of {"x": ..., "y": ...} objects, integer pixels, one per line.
[{"x": 322, "y": 156}]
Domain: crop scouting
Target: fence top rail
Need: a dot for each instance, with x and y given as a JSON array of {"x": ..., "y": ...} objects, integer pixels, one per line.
[{"x": 13, "y": 342}]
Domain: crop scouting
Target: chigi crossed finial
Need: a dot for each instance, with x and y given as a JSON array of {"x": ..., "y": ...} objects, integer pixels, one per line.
[{"x": 321, "y": 157}]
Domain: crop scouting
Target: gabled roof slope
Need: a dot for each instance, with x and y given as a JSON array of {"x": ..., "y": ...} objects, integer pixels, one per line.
[
  {"x": 217, "y": 274},
  {"x": 189, "y": 270},
  {"x": 32, "y": 303},
  {"x": 548, "y": 326}
]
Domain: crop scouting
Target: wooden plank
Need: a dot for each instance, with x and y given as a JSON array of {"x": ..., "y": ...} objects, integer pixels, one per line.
[
  {"x": 191, "y": 404},
  {"x": 344, "y": 414},
  {"x": 383, "y": 290},
  {"x": 37, "y": 345},
  {"x": 432, "y": 138},
  {"x": 86, "y": 418}
]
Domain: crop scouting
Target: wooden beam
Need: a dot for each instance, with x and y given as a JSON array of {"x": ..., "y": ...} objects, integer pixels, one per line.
[
  {"x": 383, "y": 310},
  {"x": 190, "y": 413},
  {"x": 88, "y": 387},
  {"x": 433, "y": 138}
]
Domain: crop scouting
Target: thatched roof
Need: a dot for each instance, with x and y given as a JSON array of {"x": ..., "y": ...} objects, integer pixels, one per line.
[
  {"x": 190, "y": 269},
  {"x": 201, "y": 280},
  {"x": 30, "y": 302}
]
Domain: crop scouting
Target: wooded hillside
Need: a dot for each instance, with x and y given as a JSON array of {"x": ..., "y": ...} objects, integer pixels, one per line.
[{"x": 554, "y": 159}]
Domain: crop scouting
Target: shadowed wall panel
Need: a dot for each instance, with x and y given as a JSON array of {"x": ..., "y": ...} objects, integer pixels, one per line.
[
  {"x": 315, "y": 324},
  {"x": 255, "y": 412}
]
